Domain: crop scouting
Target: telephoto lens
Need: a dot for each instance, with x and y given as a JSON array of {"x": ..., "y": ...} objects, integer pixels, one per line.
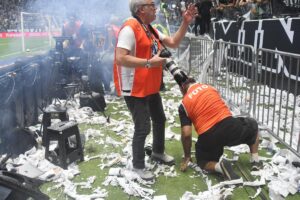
[{"x": 179, "y": 76}]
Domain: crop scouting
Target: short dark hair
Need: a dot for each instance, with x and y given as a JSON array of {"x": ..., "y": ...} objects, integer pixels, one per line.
[{"x": 185, "y": 85}]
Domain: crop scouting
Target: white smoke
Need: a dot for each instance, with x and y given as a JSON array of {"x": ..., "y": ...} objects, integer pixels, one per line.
[{"x": 96, "y": 12}]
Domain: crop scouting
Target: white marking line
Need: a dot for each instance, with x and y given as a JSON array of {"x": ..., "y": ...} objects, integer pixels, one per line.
[
  {"x": 12, "y": 42},
  {"x": 20, "y": 52},
  {"x": 7, "y": 55},
  {"x": 4, "y": 43}
]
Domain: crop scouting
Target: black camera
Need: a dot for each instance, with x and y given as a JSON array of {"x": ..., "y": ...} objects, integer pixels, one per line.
[
  {"x": 165, "y": 53},
  {"x": 59, "y": 42},
  {"x": 179, "y": 75}
]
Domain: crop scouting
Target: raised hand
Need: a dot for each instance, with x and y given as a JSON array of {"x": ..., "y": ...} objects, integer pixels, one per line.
[{"x": 190, "y": 13}]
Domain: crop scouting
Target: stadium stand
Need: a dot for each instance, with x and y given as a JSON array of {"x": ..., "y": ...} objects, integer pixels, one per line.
[{"x": 10, "y": 14}]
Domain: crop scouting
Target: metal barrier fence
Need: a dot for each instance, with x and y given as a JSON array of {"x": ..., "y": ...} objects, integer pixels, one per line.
[
  {"x": 205, "y": 46},
  {"x": 277, "y": 95},
  {"x": 263, "y": 84},
  {"x": 231, "y": 73},
  {"x": 188, "y": 57}
]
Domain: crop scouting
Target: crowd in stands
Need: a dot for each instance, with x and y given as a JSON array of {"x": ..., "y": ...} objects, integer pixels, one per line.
[
  {"x": 220, "y": 9},
  {"x": 231, "y": 9},
  {"x": 169, "y": 10},
  {"x": 10, "y": 19},
  {"x": 10, "y": 14}
]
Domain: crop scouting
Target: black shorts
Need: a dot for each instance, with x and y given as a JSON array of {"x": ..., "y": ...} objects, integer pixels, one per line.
[{"x": 228, "y": 132}]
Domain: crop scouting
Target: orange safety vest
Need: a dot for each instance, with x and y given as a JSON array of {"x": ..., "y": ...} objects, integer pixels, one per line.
[
  {"x": 73, "y": 30},
  {"x": 143, "y": 81},
  {"x": 204, "y": 106}
]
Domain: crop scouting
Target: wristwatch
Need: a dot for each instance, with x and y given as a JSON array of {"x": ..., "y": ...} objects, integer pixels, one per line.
[{"x": 148, "y": 64}]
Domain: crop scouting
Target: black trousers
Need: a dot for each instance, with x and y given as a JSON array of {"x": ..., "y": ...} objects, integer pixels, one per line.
[
  {"x": 142, "y": 110},
  {"x": 204, "y": 23},
  {"x": 197, "y": 24},
  {"x": 228, "y": 132}
]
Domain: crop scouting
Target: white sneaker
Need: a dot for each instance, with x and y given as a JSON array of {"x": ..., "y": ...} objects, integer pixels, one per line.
[
  {"x": 256, "y": 166},
  {"x": 144, "y": 174},
  {"x": 163, "y": 158}
]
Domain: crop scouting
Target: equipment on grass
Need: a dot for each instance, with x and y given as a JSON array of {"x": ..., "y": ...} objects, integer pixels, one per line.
[
  {"x": 66, "y": 152},
  {"x": 16, "y": 186},
  {"x": 92, "y": 99}
]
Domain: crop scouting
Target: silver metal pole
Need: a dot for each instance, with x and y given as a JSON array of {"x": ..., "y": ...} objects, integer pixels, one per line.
[{"x": 22, "y": 30}]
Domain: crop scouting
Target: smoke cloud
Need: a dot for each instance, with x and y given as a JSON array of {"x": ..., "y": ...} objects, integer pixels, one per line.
[{"x": 96, "y": 12}]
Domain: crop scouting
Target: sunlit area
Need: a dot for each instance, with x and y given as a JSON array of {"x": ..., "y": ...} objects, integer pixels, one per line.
[{"x": 149, "y": 99}]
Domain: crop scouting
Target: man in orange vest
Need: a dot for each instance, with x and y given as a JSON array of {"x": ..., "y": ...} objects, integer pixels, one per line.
[
  {"x": 138, "y": 75},
  {"x": 203, "y": 107},
  {"x": 72, "y": 29}
]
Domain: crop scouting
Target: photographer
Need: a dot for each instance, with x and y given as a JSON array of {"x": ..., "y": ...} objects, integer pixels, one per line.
[
  {"x": 72, "y": 29},
  {"x": 137, "y": 76},
  {"x": 203, "y": 107}
]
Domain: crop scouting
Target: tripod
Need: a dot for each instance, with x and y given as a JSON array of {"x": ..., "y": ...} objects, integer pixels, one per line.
[{"x": 92, "y": 99}]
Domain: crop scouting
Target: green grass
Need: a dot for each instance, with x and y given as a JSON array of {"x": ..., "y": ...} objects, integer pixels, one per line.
[
  {"x": 173, "y": 187},
  {"x": 12, "y": 47}
]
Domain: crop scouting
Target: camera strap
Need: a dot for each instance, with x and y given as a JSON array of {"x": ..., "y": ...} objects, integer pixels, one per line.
[
  {"x": 152, "y": 31},
  {"x": 156, "y": 35}
]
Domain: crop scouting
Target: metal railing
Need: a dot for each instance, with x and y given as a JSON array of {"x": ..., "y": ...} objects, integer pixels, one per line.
[
  {"x": 261, "y": 83},
  {"x": 277, "y": 95},
  {"x": 231, "y": 73}
]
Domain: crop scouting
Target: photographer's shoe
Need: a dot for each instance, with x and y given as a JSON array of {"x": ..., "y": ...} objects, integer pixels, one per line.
[
  {"x": 148, "y": 150},
  {"x": 144, "y": 174},
  {"x": 256, "y": 166},
  {"x": 163, "y": 158},
  {"x": 227, "y": 170}
]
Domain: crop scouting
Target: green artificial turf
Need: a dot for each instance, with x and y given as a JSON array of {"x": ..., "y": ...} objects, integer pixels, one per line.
[
  {"x": 172, "y": 187},
  {"x": 12, "y": 47}
]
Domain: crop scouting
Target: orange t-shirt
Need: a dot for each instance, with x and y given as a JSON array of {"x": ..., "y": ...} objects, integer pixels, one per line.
[{"x": 204, "y": 106}]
